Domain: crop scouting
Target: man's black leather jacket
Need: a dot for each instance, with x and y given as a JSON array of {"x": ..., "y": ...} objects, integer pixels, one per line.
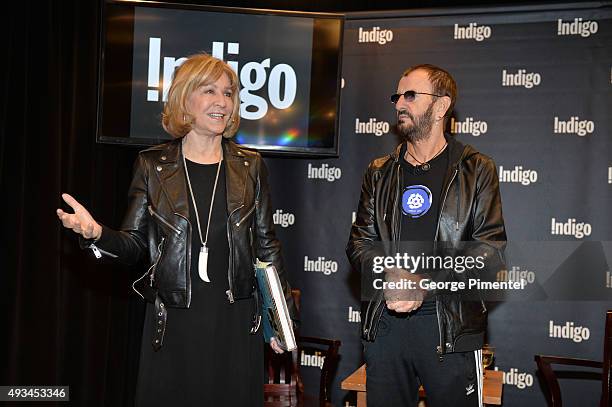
[
  {"x": 470, "y": 211},
  {"x": 156, "y": 227}
]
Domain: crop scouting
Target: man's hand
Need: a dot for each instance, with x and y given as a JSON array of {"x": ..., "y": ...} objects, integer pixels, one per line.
[
  {"x": 403, "y": 300},
  {"x": 404, "y": 306}
]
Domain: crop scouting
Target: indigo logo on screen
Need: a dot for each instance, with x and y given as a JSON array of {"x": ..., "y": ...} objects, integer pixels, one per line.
[
  {"x": 271, "y": 55},
  {"x": 280, "y": 80},
  {"x": 416, "y": 201}
]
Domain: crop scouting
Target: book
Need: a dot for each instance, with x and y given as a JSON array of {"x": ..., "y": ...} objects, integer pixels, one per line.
[{"x": 274, "y": 311}]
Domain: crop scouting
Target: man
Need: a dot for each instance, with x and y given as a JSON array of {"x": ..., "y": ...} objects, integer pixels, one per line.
[{"x": 432, "y": 188}]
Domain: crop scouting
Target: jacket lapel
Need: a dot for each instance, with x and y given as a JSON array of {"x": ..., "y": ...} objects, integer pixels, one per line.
[
  {"x": 169, "y": 166},
  {"x": 172, "y": 177},
  {"x": 455, "y": 151},
  {"x": 236, "y": 172}
]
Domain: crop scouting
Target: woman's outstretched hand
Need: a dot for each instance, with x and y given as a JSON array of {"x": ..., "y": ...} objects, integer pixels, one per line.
[{"x": 80, "y": 221}]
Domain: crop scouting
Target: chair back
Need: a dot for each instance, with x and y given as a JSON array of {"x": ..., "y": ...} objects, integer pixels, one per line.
[
  {"x": 328, "y": 350},
  {"x": 284, "y": 383},
  {"x": 545, "y": 363},
  {"x": 284, "y": 386}
]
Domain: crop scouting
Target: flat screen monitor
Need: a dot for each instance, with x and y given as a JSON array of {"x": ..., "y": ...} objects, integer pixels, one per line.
[{"x": 288, "y": 65}]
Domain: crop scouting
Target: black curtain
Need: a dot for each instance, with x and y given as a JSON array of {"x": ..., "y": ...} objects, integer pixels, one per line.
[{"x": 68, "y": 319}]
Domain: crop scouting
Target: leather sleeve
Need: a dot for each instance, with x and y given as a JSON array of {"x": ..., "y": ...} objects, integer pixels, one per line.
[
  {"x": 361, "y": 248},
  {"x": 488, "y": 218},
  {"x": 268, "y": 247},
  {"x": 129, "y": 244}
]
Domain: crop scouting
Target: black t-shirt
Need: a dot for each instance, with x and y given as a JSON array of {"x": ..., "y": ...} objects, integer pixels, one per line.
[{"x": 420, "y": 207}]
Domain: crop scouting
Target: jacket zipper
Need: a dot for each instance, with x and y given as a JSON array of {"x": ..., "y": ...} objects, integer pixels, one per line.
[
  {"x": 162, "y": 220},
  {"x": 159, "y": 251},
  {"x": 230, "y": 292},
  {"x": 394, "y": 213},
  {"x": 99, "y": 252},
  {"x": 247, "y": 214},
  {"x": 440, "y": 348},
  {"x": 150, "y": 269},
  {"x": 188, "y": 262},
  {"x": 443, "y": 202},
  {"x": 395, "y": 236}
]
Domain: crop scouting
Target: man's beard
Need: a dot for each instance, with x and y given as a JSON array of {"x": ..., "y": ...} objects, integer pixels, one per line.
[{"x": 419, "y": 129}]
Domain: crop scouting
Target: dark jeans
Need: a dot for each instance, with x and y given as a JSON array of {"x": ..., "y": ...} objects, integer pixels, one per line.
[{"x": 403, "y": 356}]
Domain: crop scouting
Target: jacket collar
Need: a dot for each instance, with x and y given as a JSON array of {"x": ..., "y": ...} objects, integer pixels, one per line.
[
  {"x": 459, "y": 152},
  {"x": 169, "y": 166},
  {"x": 236, "y": 172},
  {"x": 172, "y": 174},
  {"x": 171, "y": 151}
]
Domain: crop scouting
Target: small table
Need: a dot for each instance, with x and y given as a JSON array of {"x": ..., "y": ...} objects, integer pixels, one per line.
[{"x": 492, "y": 386}]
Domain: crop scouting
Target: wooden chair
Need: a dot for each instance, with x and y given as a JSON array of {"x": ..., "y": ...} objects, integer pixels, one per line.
[
  {"x": 284, "y": 386},
  {"x": 553, "y": 391}
]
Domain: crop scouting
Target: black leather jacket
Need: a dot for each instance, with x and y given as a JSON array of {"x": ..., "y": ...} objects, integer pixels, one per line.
[
  {"x": 156, "y": 227},
  {"x": 470, "y": 211}
]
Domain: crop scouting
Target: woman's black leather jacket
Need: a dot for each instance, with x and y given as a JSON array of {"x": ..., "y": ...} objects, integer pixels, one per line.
[{"x": 156, "y": 227}]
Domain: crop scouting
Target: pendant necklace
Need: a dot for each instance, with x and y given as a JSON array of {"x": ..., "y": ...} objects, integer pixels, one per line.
[
  {"x": 203, "y": 255},
  {"x": 425, "y": 166}
]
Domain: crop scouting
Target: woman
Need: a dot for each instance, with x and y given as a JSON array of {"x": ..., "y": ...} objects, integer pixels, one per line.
[{"x": 199, "y": 211}]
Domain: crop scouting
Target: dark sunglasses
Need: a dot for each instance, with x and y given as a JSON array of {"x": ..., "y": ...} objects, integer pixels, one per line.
[{"x": 410, "y": 95}]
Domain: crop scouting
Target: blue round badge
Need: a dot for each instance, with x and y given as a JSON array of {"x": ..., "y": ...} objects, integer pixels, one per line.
[{"x": 416, "y": 201}]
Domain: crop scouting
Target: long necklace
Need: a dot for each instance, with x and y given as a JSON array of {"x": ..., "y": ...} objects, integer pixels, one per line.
[
  {"x": 203, "y": 257},
  {"x": 425, "y": 166}
]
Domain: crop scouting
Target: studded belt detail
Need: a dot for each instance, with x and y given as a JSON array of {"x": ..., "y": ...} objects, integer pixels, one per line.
[{"x": 159, "y": 330}]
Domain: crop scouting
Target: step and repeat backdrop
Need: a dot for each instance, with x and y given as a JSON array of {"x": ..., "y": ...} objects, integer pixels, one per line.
[{"x": 535, "y": 94}]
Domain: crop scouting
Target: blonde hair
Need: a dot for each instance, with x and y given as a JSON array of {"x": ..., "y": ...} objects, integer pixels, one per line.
[{"x": 197, "y": 70}]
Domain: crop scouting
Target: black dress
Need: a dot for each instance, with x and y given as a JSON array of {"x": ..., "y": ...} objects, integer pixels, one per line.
[{"x": 208, "y": 358}]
